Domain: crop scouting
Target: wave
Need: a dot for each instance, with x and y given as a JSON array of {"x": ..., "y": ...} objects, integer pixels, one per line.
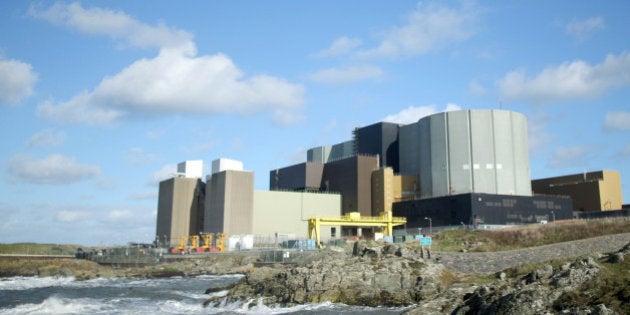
[
  {"x": 25, "y": 283},
  {"x": 57, "y": 305}
]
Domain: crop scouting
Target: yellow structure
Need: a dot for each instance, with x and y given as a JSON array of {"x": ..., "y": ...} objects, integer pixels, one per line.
[
  {"x": 194, "y": 241},
  {"x": 388, "y": 188},
  {"x": 183, "y": 242},
  {"x": 592, "y": 191},
  {"x": 221, "y": 241},
  {"x": 386, "y": 221},
  {"x": 207, "y": 241}
]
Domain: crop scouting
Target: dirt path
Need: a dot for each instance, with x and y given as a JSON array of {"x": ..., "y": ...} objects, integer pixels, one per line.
[{"x": 484, "y": 263}]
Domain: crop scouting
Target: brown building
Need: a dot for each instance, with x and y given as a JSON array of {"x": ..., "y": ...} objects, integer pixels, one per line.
[
  {"x": 229, "y": 202},
  {"x": 180, "y": 208},
  {"x": 388, "y": 188},
  {"x": 592, "y": 191},
  {"x": 351, "y": 177},
  {"x": 300, "y": 177}
]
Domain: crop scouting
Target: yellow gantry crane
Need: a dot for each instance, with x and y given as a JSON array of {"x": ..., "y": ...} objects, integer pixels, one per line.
[{"x": 385, "y": 221}]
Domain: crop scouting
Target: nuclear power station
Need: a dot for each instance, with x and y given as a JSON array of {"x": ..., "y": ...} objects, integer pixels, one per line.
[{"x": 461, "y": 168}]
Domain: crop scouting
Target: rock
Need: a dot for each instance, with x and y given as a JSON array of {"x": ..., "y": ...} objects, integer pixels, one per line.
[
  {"x": 502, "y": 276},
  {"x": 616, "y": 258},
  {"x": 376, "y": 275}
]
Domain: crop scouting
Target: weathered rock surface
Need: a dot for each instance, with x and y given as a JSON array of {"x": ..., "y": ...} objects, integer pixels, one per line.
[
  {"x": 376, "y": 274},
  {"x": 538, "y": 292}
]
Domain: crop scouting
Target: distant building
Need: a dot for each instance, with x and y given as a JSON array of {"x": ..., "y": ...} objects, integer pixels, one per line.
[
  {"x": 467, "y": 151},
  {"x": 467, "y": 167},
  {"x": 287, "y": 212},
  {"x": 483, "y": 210},
  {"x": 592, "y": 191},
  {"x": 229, "y": 203},
  {"x": 190, "y": 169},
  {"x": 180, "y": 209},
  {"x": 299, "y": 177},
  {"x": 388, "y": 188},
  {"x": 325, "y": 154},
  {"x": 380, "y": 139}
]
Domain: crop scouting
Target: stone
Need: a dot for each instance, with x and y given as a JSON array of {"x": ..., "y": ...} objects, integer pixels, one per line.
[{"x": 616, "y": 258}]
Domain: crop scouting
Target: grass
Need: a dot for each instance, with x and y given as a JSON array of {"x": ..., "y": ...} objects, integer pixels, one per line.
[
  {"x": 38, "y": 249},
  {"x": 527, "y": 235}
]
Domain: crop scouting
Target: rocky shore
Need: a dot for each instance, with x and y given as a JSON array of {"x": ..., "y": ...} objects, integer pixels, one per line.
[
  {"x": 375, "y": 274},
  {"x": 580, "y": 277}
]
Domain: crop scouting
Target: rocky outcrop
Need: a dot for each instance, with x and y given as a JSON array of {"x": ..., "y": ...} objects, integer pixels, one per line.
[
  {"x": 541, "y": 291},
  {"x": 376, "y": 274},
  {"x": 535, "y": 293}
]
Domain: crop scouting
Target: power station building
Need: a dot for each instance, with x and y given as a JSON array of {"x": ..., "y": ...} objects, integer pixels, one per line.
[
  {"x": 181, "y": 203},
  {"x": 590, "y": 191},
  {"x": 466, "y": 167}
]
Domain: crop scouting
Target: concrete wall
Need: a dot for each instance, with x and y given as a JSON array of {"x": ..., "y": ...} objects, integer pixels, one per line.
[
  {"x": 352, "y": 178},
  {"x": 303, "y": 176},
  {"x": 288, "y": 212},
  {"x": 482, "y": 209},
  {"x": 457, "y": 152},
  {"x": 325, "y": 154},
  {"x": 592, "y": 191},
  {"x": 388, "y": 188},
  {"x": 229, "y": 199},
  {"x": 180, "y": 203},
  {"x": 379, "y": 139}
]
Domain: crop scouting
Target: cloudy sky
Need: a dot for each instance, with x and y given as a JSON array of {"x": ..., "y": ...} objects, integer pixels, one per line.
[{"x": 100, "y": 100}]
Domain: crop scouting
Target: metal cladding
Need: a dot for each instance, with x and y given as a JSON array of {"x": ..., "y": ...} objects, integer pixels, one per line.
[{"x": 468, "y": 151}]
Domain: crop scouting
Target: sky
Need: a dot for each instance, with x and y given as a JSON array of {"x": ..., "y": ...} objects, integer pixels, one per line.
[{"x": 100, "y": 100}]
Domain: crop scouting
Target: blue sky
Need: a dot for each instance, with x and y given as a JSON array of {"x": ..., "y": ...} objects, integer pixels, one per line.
[{"x": 100, "y": 100}]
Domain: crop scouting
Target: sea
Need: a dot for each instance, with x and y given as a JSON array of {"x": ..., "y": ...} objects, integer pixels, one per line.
[{"x": 177, "y": 295}]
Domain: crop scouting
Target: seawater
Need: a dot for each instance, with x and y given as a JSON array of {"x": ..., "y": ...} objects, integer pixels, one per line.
[{"x": 65, "y": 295}]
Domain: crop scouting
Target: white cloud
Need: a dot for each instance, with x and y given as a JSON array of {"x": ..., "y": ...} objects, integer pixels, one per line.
[
  {"x": 46, "y": 138},
  {"x": 429, "y": 28},
  {"x": 346, "y": 75},
  {"x": 119, "y": 216},
  {"x": 413, "y": 113},
  {"x": 73, "y": 216},
  {"x": 576, "y": 79},
  {"x": 340, "y": 46},
  {"x": 573, "y": 156},
  {"x": 617, "y": 120},
  {"x": 116, "y": 24},
  {"x": 55, "y": 169},
  {"x": 167, "y": 171},
  {"x": 581, "y": 29},
  {"x": 175, "y": 81},
  {"x": 17, "y": 80}
]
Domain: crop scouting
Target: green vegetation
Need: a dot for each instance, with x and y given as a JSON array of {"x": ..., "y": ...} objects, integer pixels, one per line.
[
  {"x": 527, "y": 236},
  {"x": 38, "y": 249}
]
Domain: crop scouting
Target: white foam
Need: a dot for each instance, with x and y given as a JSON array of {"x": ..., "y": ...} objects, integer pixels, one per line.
[
  {"x": 56, "y": 305},
  {"x": 25, "y": 283}
]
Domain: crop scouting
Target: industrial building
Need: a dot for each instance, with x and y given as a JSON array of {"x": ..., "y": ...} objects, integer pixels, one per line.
[
  {"x": 181, "y": 203},
  {"x": 467, "y": 167},
  {"x": 590, "y": 191}
]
